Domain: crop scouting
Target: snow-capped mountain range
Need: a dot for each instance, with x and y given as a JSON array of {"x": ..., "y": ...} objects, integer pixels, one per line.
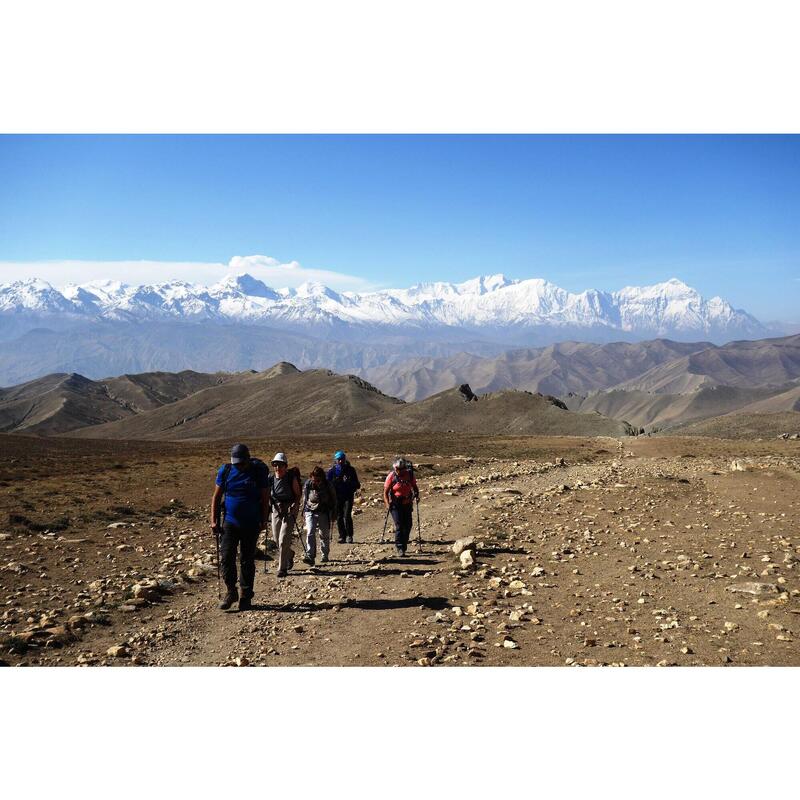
[{"x": 491, "y": 308}]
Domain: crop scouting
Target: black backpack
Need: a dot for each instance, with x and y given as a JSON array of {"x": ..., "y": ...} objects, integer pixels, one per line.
[
  {"x": 348, "y": 471},
  {"x": 291, "y": 472},
  {"x": 330, "y": 503}
]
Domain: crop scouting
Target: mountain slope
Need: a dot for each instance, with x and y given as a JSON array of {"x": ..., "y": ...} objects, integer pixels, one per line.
[
  {"x": 60, "y": 403},
  {"x": 650, "y": 409},
  {"x": 506, "y": 412},
  {"x": 557, "y": 369},
  {"x": 776, "y": 403},
  {"x": 55, "y": 404},
  {"x": 259, "y": 405},
  {"x": 746, "y": 364},
  {"x": 106, "y": 348},
  {"x": 149, "y": 390},
  {"x": 743, "y": 426}
]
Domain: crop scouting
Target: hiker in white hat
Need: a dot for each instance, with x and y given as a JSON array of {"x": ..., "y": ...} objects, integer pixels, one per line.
[{"x": 285, "y": 494}]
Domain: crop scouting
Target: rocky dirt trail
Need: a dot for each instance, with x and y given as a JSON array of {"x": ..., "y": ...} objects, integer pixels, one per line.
[{"x": 644, "y": 554}]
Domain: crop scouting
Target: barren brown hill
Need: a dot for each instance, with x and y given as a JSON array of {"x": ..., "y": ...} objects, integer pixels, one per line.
[
  {"x": 743, "y": 426},
  {"x": 782, "y": 401},
  {"x": 282, "y": 399},
  {"x": 653, "y": 409},
  {"x": 149, "y": 390},
  {"x": 558, "y": 369},
  {"x": 766, "y": 362},
  {"x": 61, "y": 403},
  {"x": 57, "y": 403},
  {"x": 506, "y": 412}
]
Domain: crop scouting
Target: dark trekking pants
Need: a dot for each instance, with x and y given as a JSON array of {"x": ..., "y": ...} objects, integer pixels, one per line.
[
  {"x": 344, "y": 519},
  {"x": 244, "y": 539},
  {"x": 401, "y": 516}
]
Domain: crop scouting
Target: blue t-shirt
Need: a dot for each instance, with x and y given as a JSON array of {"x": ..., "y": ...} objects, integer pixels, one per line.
[{"x": 243, "y": 494}]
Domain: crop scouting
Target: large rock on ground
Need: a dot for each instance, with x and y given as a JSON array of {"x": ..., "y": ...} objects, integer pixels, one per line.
[
  {"x": 460, "y": 545},
  {"x": 754, "y": 587}
]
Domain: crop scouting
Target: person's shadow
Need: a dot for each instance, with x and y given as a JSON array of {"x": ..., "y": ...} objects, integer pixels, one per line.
[{"x": 373, "y": 604}]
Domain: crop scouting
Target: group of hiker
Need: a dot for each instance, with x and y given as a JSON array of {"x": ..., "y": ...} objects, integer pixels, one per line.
[{"x": 248, "y": 497}]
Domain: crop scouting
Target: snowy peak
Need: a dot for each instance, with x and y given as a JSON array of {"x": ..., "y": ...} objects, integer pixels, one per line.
[
  {"x": 243, "y": 284},
  {"x": 484, "y": 284},
  {"x": 34, "y": 295},
  {"x": 489, "y": 307}
]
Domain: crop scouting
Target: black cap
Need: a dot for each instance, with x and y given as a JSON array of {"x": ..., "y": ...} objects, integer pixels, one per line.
[{"x": 239, "y": 453}]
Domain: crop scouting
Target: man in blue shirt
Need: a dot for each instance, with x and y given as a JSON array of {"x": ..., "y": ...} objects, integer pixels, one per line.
[
  {"x": 243, "y": 484},
  {"x": 342, "y": 475}
]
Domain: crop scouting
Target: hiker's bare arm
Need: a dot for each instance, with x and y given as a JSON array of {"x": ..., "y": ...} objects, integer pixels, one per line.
[
  {"x": 215, "y": 498},
  {"x": 386, "y": 500}
]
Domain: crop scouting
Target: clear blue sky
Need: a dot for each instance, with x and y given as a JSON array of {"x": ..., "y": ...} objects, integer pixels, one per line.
[{"x": 720, "y": 212}]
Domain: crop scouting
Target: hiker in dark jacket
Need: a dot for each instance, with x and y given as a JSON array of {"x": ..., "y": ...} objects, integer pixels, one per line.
[
  {"x": 319, "y": 508},
  {"x": 285, "y": 497},
  {"x": 344, "y": 478},
  {"x": 243, "y": 484}
]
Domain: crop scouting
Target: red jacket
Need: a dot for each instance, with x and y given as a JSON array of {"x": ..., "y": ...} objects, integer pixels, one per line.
[{"x": 402, "y": 486}]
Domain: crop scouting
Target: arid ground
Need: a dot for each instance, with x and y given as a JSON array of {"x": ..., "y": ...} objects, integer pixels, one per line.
[{"x": 602, "y": 551}]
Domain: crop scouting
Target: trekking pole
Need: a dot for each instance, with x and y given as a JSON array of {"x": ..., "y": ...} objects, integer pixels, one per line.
[
  {"x": 419, "y": 532},
  {"x": 385, "y": 520},
  {"x": 219, "y": 577},
  {"x": 300, "y": 536}
]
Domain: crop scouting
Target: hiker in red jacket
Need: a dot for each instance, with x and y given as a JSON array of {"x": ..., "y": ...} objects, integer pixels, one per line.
[{"x": 399, "y": 492}]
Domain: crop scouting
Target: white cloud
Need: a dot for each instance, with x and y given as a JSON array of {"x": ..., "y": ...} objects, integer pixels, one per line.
[
  {"x": 265, "y": 268},
  {"x": 278, "y": 275}
]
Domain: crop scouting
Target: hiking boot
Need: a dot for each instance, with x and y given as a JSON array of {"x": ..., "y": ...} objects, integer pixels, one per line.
[
  {"x": 245, "y": 603},
  {"x": 282, "y": 573},
  {"x": 308, "y": 560},
  {"x": 324, "y": 560},
  {"x": 349, "y": 540},
  {"x": 342, "y": 541},
  {"x": 230, "y": 598}
]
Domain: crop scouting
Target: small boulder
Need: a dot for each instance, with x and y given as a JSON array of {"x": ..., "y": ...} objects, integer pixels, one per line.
[
  {"x": 60, "y": 635},
  {"x": 467, "y": 558},
  {"x": 754, "y": 587},
  {"x": 460, "y": 545},
  {"x": 148, "y": 593}
]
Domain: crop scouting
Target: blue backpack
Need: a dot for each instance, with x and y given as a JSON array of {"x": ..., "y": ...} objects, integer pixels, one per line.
[{"x": 226, "y": 471}]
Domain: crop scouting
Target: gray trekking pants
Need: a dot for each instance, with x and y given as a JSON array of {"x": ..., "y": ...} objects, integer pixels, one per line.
[
  {"x": 318, "y": 521},
  {"x": 282, "y": 530}
]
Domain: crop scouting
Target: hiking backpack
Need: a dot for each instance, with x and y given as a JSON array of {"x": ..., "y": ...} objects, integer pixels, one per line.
[
  {"x": 291, "y": 473},
  {"x": 330, "y": 503},
  {"x": 397, "y": 479},
  {"x": 226, "y": 471}
]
